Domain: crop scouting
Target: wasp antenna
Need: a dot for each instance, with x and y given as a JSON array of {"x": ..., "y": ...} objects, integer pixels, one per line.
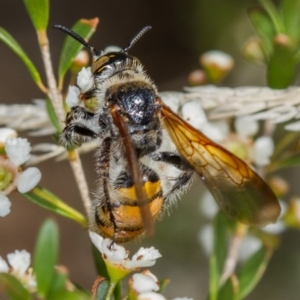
[
  {"x": 77, "y": 37},
  {"x": 136, "y": 38}
]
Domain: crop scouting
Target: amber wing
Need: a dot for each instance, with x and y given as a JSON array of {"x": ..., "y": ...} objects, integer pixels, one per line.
[{"x": 239, "y": 191}]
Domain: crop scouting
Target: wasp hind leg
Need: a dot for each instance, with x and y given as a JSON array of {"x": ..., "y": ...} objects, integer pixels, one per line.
[
  {"x": 78, "y": 123},
  {"x": 180, "y": 182}
]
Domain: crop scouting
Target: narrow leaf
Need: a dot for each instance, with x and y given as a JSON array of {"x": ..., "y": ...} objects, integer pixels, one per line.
[
  {"x": 52, "y": 115},
  {"x": 272, "y": 11},
  {"x": 13, "y": 288},
  {"x": 264, "y": 28},
  {"x": 7, "y": 39},
  {"x": 68, "y": 295},
  {"x": 99, "y": 263},
  {"x": 218, "y": 255},
  {"x": 252, "y": 270},
  {"x": 291, "y": 161},
  {"x": 46, "y": 199},
  {"x": 229, "y": 291},
  {"x": 38, "y": 11},
  {"x": 45, "y": 257},
  {"x": 281, "y": 70},
  {"x": 290, "y": 12},
  {"x": 85, "y": 29}
]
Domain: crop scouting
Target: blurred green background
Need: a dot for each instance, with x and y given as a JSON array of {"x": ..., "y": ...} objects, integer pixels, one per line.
[{"x": 181, "y": 31}]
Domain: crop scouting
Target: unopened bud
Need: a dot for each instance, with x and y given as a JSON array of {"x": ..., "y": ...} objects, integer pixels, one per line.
[
  {"x": 253, "y": 50},
  {"x": 217, "y": 65}
]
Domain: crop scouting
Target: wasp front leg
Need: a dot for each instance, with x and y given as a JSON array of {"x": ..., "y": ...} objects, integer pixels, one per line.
[{"x": 79, "y": 125}]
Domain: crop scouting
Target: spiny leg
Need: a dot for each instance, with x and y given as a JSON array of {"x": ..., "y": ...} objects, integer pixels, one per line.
[{"x": 77, "y": 127}]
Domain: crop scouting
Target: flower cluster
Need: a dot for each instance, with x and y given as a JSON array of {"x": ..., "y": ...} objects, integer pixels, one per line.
[
  {"x": 15, "y": 152},
  {"x": 19, "y": 263},
  {"x": 118, "y": 255}
]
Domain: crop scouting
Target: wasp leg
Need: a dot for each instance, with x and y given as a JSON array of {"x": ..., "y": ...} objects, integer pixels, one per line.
[
  {"x": 182, "y": 181},
  {"x": 78, "y": 121},
  {"x": 171, "y": 158},
  {"x": 104, "y": 210}
]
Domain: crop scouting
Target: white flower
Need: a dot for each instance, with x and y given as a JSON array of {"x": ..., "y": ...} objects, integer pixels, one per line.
[
  {"x": 145, "y": 257},
  {"x": 6, "y": 133},
  {"x": 72, "y": 98},
  {"x": 20, "y": 261},
  {"x": 246, "y": 126},
  {"x": 5, "y": 205},
  {"x": 295, "y": 126},
  {"x": 250, "y": 245},
  {"x": 33, "y": 117},
  {"x": 143, "y": 283},
  {"x": 262, "y": 150},
  {"x": 194, "y": 114},
  {"x": 208, "y": 205},
  {"x": 3, "y": 266},
  {"x": 219, "y": 58},
  {"x": 85, "y": 79},
  {"x": 205, "y": 238},
  {"x": 171, "y": 99},
  {"x": 183, "y": 298},
  {"x": 151, "y": 296},
  {"x": 17, "y": 150},
  {"x": 216, "y": 131},
  {"x": 28, "y": 179},
  {"x": 117, "y": 254}
]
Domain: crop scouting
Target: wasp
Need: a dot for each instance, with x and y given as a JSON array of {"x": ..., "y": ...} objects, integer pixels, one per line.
[{"x": 148, "y": 154}]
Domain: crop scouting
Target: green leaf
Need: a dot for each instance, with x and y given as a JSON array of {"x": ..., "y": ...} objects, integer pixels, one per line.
[
  {"x": 45, "y": 257},
  {"x": 38, "y": 11},
  {"x": 118, "y": 290},
  {"x": 99, "y": 263},
  {"x": 7, "y": 39},
  {"x": 264, "y": 28},
  {"x": 218, "y": 256},
  {"x": 229, "y": 291},
  {"x": 252, "y": 270},
  {"x": 274, "y": 15},
  {"x": 102, "y": 290},
  {"x": 52, "y": 115},
  {"x": 281, "y": 71},
  {"x": 71, "y": 47},
  {"x": 290, "y": 12},
  {"x": 67, "y": 295},
  {"x": 291, "y": 161},
  {"x": 13, "y": 288},
  {"x": 46, "y": 199}
]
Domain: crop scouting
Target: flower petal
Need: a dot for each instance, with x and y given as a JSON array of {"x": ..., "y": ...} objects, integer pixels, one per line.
[
  {"x": 262, "y": 150},
  {"x": 19, "y": 260},
  {"x": 144, "y": 283},
  {"x": 85, "y": 79},
  {"x": 3, "y": 266},
  {"x": 5, "y": 205},
  {"x": 151, "y": 296},
  {"x": 72, "y": 98},
  {"x": 17, "y": 150},
  {"x": 28, "y": 179},
  {"x": 6, "y": 133},
  {"x": 194, "y": 114}
]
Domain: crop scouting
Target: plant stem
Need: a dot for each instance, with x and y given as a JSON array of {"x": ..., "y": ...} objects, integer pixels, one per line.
[
  {"x": 76, "y": 166},
  {"x": 233, "y": 252},
  {"x": 111, "y": 289},
  {"x": 53, "y": 92},
  {"x": 56, "y": 98}
]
